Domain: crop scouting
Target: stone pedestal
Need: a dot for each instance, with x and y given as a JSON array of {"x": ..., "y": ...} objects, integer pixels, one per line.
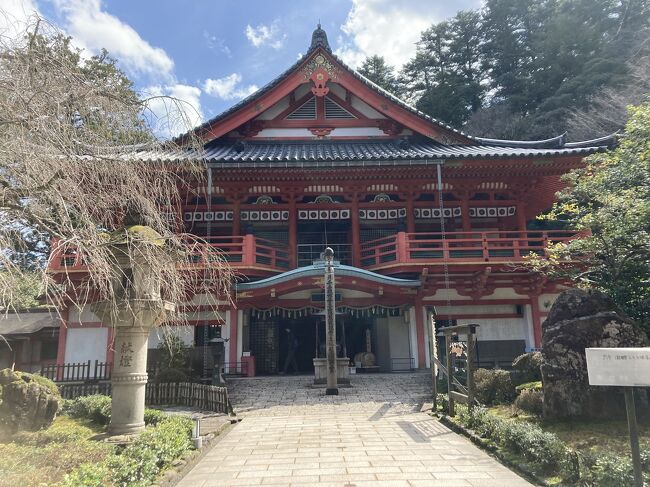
[
  {"x": 132, "y": 321},
  {"x": 342, "y": 371},
  {"x": 129, "y": 380}
]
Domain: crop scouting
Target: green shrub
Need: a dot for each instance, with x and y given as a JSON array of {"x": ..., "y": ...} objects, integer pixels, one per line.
[
  {"x": 138, "y": 464},
  {"x": 530, "y": 401},
  {"x": 527, "y": 367},
  {"x": 535, "y": 385},
  {"x": 541, "y": 448},
  {"x": 493, "y": 386},
  {"x": 152, "y": 417},
  {"x": 87, "y": 475},
  {"x": 97, "y": 408}
]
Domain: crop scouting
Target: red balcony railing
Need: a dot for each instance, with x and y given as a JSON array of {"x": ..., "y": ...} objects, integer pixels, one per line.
[
  {"x": 240, "y": 252},
  {"x": 497, "y": 246}
]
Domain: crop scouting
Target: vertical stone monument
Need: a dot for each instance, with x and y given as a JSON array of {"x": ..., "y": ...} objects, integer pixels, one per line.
[
  {"x": 137, "y": 309},
  {"x": 330, "y": 324}
]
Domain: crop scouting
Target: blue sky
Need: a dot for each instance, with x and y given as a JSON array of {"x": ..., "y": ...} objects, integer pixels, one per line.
[{"x": 213, "y": 53}]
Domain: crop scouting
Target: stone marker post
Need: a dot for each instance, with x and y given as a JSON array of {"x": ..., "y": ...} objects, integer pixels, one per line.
[
  {"x": 330, "y": 324},
  {"x": 138, "y": 308}
]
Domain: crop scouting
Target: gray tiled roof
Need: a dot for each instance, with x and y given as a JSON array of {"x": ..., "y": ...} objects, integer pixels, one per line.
[{"x": 350, "y": 152}]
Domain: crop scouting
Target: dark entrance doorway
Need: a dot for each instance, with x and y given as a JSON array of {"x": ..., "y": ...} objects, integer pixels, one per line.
[
  {"x": 314, "y": 236},
  {"x": 272, "y": 337}
]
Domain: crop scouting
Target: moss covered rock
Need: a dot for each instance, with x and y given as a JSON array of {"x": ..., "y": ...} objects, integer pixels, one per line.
[{"x": 27, "y": 402}]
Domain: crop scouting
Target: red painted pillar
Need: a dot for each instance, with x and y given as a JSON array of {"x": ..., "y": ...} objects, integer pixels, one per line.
[
  {"x": 464, "y": 208},
  {"x": 236, "y": 218},
  {"x": 293, "y": 233},
  {"x": 419, "y": 328},
  {"x": 356, "y": 232},
  {"x": 63, "y": 336},
  {"x": 248, "y": 250},
  {"x": 410, "y": 214},
  {"x": 537, "y": 320},
  {"x": 521, "y": 216},
  {"x": 234, "y": 324}
]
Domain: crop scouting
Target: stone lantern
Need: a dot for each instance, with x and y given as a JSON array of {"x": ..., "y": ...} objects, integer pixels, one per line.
[{"x": 137, "y": 309}]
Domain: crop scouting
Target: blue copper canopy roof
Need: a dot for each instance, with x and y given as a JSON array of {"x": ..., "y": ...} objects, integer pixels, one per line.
[{"x": 316, "y": 270}]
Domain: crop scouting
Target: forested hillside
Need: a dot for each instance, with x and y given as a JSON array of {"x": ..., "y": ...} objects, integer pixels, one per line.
[{"x": 529, "y": 68}]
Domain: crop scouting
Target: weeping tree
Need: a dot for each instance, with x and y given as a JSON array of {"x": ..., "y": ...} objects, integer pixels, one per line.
[{"x": 82, "y": 159}]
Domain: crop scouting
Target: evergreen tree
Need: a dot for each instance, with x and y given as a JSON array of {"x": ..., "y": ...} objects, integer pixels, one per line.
[
  {"x": 377, "y": 70},
  {"x": 444, "y": 79}
]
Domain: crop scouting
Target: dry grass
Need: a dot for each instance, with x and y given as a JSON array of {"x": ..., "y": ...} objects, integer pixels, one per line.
[{"x": 44, "y": 457}]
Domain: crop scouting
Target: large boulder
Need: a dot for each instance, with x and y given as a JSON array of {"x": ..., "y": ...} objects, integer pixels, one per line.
[
  {"x": 27, "y": 402},
  {"x": 581, "y": 319}
]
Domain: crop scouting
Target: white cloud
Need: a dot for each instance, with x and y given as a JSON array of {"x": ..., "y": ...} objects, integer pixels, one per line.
[
  {"x": 228, "y": 87},
  {"x": 173, "y": 109},
  {"x": 263, "y": 35},
  {"x": 215, "y": 43},
  {"x": 16, "y": 16},
  {"x": 391, "y": 29},
  {"x": 94, "y": 29}
]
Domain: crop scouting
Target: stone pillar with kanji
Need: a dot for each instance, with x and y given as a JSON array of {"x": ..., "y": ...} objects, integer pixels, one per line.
[{"x": 138, "y": 308}]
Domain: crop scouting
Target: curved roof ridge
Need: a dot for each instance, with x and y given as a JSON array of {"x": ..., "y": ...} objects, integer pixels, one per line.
[
  {"x": 553, "y": 143},
  {"x": 608, "y": 140}
]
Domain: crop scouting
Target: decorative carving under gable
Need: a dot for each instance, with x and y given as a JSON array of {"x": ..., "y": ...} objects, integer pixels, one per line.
[
  {"x": 428, "y": 213},
  {"x": 320, "y": 61},
  {"x": 381, "y": 198},
  {"x": 264, "y": 200},
  {"x": 492, "y": 211},
  {"x": 251, "y": 128},
  {"x": 320, "y": 77},
  {"x": 390, "y": 127},
  {"x": 323, "y": 198},
  {"x": 321, "y": 131}
]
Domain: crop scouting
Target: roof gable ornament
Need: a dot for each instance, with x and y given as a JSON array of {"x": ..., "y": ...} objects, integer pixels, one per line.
[{"x": 319, "y": 39}]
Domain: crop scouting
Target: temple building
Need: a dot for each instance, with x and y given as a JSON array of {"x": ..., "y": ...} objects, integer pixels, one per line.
[{"x": 424, "y": 221}]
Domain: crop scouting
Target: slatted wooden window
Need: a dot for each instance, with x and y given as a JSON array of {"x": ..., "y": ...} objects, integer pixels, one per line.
[
  {"x": 334, "y": 110},
  {"x": 307, "y": 111}
]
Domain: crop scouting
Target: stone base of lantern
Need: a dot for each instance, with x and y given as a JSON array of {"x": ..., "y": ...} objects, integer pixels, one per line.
[{"x": 342, "y": 371}]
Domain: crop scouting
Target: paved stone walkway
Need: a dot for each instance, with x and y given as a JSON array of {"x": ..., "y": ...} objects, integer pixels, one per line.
[{"x": 372, "y": 434}]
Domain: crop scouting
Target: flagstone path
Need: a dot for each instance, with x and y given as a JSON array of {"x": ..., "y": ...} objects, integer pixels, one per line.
[{"x": 372, "y": 434}]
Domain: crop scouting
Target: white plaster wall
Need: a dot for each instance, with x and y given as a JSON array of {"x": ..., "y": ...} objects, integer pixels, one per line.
[
  {"x": 357, "y": 132},
  {"x": 528, "y": 328},
  {"x": 398, "y": 336},
  {"x": 297, "y": 132},
  {"x": 366, "y": 109},
  {"x": 83, "y": 344},
  {"x": 275, "y": 110},
  {"x": 240, "y": 334},
  {"x": 185, "y": 333},
  {"x": 83, "y": 316},
  {"x": 498, "y": 328},
  {"x": 413, "y": 335},
  {"x": 486, "y": 309},
  {"x": 302, "y": 90},
  {"x": 337, "y": 89}
]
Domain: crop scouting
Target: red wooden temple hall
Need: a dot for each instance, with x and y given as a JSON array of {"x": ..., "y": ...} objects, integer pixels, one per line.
[{"x": 422, "y": 219}]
